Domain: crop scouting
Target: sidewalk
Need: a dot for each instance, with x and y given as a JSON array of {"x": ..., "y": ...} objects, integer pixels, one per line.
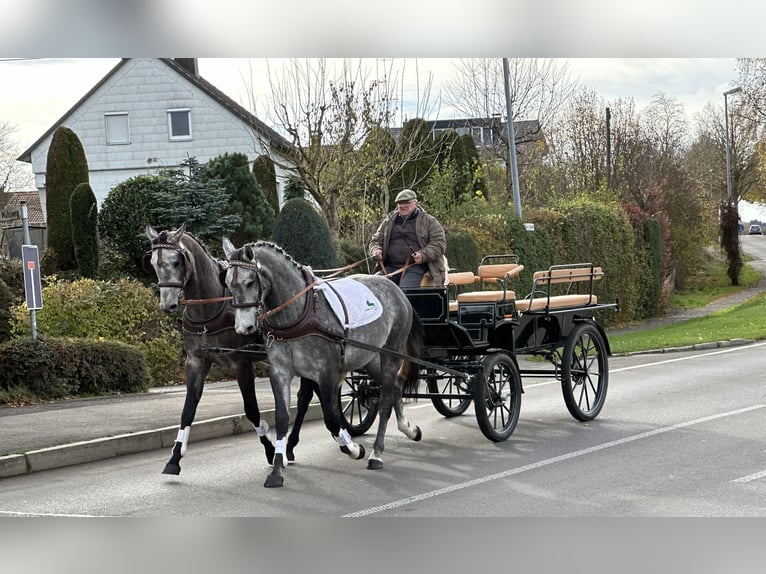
[{"x": 41, "y": 437}]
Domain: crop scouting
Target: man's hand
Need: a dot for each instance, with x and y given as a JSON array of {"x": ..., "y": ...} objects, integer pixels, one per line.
[
  {"x": 378, "y": 254},
  {"x": 417, "y": 258}
]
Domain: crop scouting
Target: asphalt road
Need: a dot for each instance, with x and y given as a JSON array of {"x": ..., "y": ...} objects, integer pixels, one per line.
[{"x": 680, "y": 435}]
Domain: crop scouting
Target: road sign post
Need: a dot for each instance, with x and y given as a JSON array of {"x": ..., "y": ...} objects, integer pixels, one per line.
[{"x": 32, "y": 283}]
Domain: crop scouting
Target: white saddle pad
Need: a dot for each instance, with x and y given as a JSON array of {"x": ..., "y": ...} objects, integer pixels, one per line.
[{"x": 353, "y": 303}]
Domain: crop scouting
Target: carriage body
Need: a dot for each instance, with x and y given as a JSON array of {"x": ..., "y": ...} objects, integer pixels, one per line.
[{"x": 483, "y": 333}]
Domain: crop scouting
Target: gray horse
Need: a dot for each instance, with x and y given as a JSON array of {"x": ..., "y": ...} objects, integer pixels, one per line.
[
  {"x": 277, "y": 296},
  {"x": 187, "y": 273}
]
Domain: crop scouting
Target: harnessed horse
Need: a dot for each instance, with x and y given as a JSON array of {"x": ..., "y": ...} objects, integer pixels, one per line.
[
  {"x": 275, "y": 295},
  {"x": 187, "y": 274}
]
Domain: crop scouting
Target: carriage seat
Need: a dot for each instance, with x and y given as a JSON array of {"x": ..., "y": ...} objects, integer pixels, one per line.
[
  {"x": 501, "y": 273},
  {"x": 459, "y": 279},
  {"x": 566, "y": 275}
]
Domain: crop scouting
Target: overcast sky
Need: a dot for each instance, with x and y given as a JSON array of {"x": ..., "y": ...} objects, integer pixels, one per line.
[
  {"x": 684, "y": 48},
  {"x": 39, "y": 91}
]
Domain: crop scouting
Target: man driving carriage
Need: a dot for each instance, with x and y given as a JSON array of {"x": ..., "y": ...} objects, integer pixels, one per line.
[{"x": 410, "y": 235}]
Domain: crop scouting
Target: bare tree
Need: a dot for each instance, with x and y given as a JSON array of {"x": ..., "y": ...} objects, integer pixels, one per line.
[
  {"x": 539, "y": 88},
  {"x": 13, "y": 174},
  {"x": 328, "y": 112}
]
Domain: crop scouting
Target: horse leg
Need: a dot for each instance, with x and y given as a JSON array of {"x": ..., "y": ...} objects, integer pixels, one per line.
[
  {"x": 331, "y": 412},
  {"x": 375, "y": 462},
  {"x": 305, "y": 394},
  {"x": 246, "y": 382},
  {"x": 196, "y": 369},
  {"x": 280, "y": 385},
  {"x": 412, "y": 432}
]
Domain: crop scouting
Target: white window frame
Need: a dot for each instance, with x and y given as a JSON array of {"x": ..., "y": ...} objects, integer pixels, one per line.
[
  {"x": 183, "y": 137},
  {"x": 109, "y": 138}
]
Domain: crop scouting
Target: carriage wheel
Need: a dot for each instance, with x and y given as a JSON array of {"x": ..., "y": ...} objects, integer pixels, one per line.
[
  {"x": 497, "y": 398},
  {"x": 584, "y": 372},
  {"x": 440, "y": 383},
  {"x": 358, "y": 401}
]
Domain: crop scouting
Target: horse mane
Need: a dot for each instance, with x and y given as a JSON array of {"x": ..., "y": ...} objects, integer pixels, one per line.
[
  {"x": 271, "y": 245},
  {"x": 163, "y": 238}
]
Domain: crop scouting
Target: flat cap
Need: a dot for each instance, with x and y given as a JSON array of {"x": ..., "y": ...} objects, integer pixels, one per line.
[{"x": 406, "y": 195}]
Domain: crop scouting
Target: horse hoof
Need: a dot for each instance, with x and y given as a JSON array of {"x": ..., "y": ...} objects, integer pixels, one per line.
[
  {"x": 172, "y": 469},
  {"x": 374, "y": 464},
  {"x": 290, "y": 456},
  {"x": 418, "y": 435},
  {"x": 361, "y": 452},
  {"x": 274, "y": 481}
]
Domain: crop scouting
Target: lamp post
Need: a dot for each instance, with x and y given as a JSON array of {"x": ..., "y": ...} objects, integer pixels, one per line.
[{"x": 726, "y": 94}]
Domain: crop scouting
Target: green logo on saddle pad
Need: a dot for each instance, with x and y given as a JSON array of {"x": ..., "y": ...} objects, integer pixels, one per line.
[{"x": 370, "y": 304}]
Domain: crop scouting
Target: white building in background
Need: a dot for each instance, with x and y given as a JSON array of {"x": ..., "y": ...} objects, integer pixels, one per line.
[{"x": 148, "y": 114}]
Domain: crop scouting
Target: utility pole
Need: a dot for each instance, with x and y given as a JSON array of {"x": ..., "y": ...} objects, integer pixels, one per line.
[
  {"x": 512, "y": 140},
  {"x": 608, "y": 149}
]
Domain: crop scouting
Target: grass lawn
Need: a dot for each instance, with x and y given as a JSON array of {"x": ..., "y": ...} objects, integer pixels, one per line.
[{"x": 745, "y": 321}]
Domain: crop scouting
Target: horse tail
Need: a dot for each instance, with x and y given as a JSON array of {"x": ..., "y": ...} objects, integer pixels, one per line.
[{"x": 414, "y": 348}]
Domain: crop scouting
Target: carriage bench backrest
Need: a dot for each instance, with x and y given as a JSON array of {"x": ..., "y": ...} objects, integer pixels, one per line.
[
  {"x": 497, "y": 273},
  {"x": 578, "y": 273}
]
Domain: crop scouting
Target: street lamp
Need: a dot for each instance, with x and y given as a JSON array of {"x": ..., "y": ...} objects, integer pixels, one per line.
[{"x": 728, "y": 153}]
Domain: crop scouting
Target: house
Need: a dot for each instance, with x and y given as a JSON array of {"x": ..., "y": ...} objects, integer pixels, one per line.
[
  {"x": 488, "y": 133},
  {"x": 150, "y": 114},
  {"x": 11, "y": 230}
]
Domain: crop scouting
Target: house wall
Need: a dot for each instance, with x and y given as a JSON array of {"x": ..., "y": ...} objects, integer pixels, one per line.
[{"x": 146, "y": 88}]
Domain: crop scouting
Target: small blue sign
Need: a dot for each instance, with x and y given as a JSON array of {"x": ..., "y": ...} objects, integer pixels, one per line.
[{"x": 32, "y": 285}]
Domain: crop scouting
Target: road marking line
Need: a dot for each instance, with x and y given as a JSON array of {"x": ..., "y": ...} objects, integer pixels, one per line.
[
  {"x": 750, "y": 477},
  {"x": 535, "y": 465},
  {"x": 47, "y": 515}
]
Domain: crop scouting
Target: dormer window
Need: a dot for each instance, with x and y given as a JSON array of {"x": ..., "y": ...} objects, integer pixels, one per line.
[
  {"x": 179, "y": 124},
  {"x": 117, "y": 128}
]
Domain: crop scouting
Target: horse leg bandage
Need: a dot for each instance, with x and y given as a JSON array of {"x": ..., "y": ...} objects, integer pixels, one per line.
[
  {"x": 183, "y": 438},
  {"x": 280, "y": 447},
  {"x": 262, "y": 429},
  {"x": 344, "y": 440}
]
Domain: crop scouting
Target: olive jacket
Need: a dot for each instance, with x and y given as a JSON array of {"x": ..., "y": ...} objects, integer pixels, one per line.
[{"x": 432, "y": 242}]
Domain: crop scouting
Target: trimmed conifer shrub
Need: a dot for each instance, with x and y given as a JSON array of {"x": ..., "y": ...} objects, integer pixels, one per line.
[
  {"x": 266, "y": 176},
  {"x": 303, "y": 233},
  {"x": 84, "y": 214},
  {"x": 66, "y": 168}
]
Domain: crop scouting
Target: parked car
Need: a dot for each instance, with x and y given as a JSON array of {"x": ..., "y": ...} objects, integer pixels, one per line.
[{"x": 755, "y": 230}]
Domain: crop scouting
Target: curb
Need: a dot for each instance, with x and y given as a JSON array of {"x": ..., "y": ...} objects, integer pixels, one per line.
[
  {"x": 697, "y": 347},
  {"x": 132, "y": 443}
]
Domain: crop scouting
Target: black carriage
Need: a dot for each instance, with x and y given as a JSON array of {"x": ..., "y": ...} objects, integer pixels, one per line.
[{"x": 477, "y": 327}]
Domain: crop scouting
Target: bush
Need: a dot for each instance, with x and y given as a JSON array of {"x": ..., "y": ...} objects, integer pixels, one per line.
[
  {"x": 462, "y": 250},
  {"x": 66, "y": 168},
  {"x": 122, "y": 218},
  {"x": 7, "y": 300},
  {"x": 84, "y": 214},
  {"x": 303, "y": 233},
  {"x": 12, "y": 272},
  {"x": 51, "y": 368},
  {"x": 125, "y": 311}
]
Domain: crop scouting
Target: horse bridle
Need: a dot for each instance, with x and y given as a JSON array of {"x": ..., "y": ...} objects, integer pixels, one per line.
[
  {"x": 260, "y": 303},
  {"x": 187, "y": 268}
]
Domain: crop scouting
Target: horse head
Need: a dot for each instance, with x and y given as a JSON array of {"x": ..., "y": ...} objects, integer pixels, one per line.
[
  {"x": 171, "y": 265},
  {"x": 248, "y": 282}
]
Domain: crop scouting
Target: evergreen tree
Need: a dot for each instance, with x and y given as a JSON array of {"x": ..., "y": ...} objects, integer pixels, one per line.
[
  {"x": 294, "y": 189},
  {"x": 303, "y": 233},
  {"x": 198, "y": 201},
  {"x": 66, "y": 168},
  {"x": 84, "y": 215},
  {"x": 266, "y": 176},
  {"x": 246, "y": 197}
]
